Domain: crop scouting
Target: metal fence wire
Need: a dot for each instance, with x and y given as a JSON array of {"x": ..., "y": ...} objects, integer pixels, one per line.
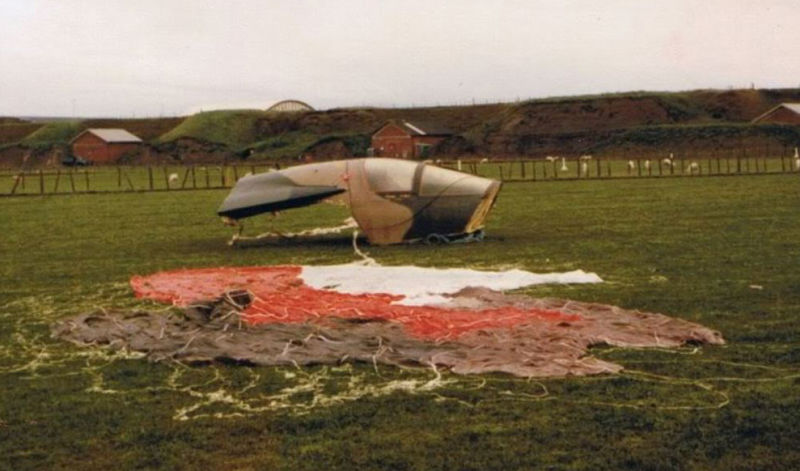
[{"x": 71, "y": 180}]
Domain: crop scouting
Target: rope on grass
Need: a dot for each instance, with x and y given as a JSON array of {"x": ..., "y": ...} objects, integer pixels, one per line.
[{"x": 238, "y": 238}]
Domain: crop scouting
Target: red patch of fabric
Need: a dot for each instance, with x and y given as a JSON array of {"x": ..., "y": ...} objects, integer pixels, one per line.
[{"x": 281, "y": 296}]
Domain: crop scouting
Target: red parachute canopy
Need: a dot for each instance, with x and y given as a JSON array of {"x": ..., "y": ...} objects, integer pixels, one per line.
[{"x": 279, "y": 295}]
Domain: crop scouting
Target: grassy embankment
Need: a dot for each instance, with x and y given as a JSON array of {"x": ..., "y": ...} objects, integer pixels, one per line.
[
  {"x": 645, "y": 123},
  {"x": 719, "y": 251},
  {"x": 239, "y": 130}
]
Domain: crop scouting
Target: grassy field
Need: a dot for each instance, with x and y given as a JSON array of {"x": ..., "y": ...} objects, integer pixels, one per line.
[{"x": 719, "y": 251}]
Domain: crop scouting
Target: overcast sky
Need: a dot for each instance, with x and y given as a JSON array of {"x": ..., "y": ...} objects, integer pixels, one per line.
[{"x": 168, "y": 57}]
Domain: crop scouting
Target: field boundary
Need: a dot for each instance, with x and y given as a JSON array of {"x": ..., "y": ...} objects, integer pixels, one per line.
[{"x": 143, "y": 179}]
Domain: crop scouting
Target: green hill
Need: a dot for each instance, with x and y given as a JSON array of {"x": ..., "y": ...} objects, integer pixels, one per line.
[
  {"x": 57, "y": 132},
  {"x": 561, "y": 125}
]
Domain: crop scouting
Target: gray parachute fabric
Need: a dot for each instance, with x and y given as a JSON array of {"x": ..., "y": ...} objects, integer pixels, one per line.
[{"x": 213, "y": 331}]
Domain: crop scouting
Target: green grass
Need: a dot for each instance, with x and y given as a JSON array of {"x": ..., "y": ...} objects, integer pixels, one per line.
[
  {"x": 691, "y": 248},
  {"x": 282, "y": 146},
  {"x": 137, "y": 178},
  {"x": 57, "y": 132},
  {"x": 234, "y": 128}
]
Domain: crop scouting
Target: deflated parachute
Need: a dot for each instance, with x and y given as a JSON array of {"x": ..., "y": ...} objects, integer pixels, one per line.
[{"x": 272, "y": 316}]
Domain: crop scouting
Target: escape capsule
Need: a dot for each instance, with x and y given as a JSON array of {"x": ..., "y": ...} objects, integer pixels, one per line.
[{"x": 392, "y": 200}]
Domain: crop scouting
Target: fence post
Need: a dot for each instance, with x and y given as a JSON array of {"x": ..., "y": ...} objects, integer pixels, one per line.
[
  {"x": 150, "y": 176},
  {"x": 208, "y": 178},
  {"x": 72, "y": 179},
  {"x": 194, "y": 180},
  {"x": 41, "y": 182},
  {"x": 86, "y": 174},
  {"x": 500, "y": 166},
  {"x": 185, "y": 177},
  {"x": 16, "y": 182},
  {"x": 130, "y": 183},
  {"x": 119, "y": 177},
  {"x": 166, "y": 177}
]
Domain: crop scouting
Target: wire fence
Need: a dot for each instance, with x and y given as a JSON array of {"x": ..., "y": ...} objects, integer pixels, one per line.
[
  {"x": 62, "y": 181},
  {"x": 589, "y": 167}
]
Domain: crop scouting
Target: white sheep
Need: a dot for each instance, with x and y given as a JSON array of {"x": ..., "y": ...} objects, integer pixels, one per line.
[
  {"x": 584, "y": 168},
  {"x": 647, "y": 164},
  {"x": 484, "y": 160},
  {"x": 564, "y": 164},
  {"x": 692, "y": 168},
  {"x": 631, "y": 165},
  {"x": 797, "y": 163},
  {"x": 173, "y": 177},
  {"x": 550, "y": 158}
]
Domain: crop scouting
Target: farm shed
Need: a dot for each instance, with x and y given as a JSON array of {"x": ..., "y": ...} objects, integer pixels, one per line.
[
  {"x": 785, "y": 113},
  {"x": 102, "y": 146},
  {"x": 407, "y": 140}
]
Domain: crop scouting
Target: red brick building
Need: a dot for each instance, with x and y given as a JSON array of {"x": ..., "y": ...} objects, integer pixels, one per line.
[
  {"x": 103, "y": 146},
  {"x": 407, "y": 140},
  {"x": 785, "y": 113}
]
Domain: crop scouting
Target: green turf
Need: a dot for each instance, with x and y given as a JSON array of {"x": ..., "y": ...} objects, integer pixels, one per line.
[
  {"x": 234, "y": 128},
  {"x": 143, "y": 178},
  {"x": 57, "y": 132},
  {"x": 720, "y": 251}
]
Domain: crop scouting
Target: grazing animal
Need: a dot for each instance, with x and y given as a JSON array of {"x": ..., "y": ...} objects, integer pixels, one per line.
[
  {"x": 564, "y": 164},
  {"x": 692, "y": 168},
  {"x": 797, "y": 163},
  {"x": 584, "y": 168},
  {"x": 631, "y": 165},
  {"x": 173, "y": 177}
]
